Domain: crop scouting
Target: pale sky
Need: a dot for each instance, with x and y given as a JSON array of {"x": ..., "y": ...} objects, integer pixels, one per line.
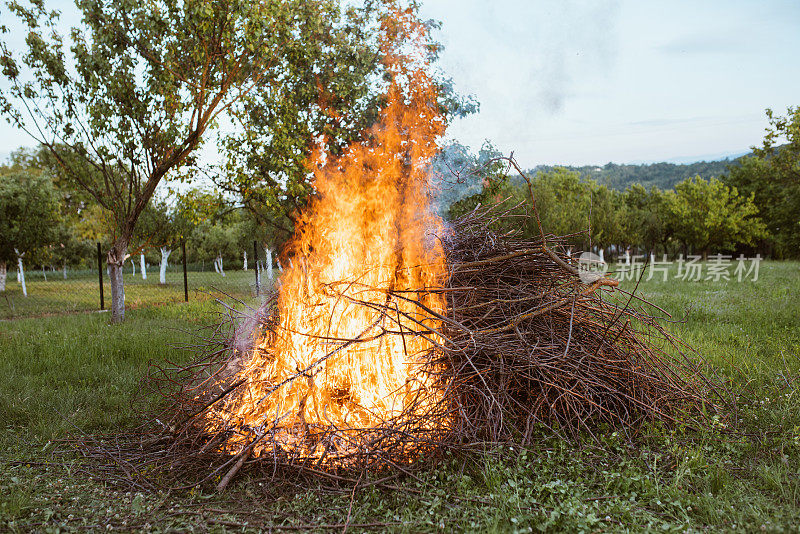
[
  {"x": 584, "y": 82},
  {"x": 587, "y": 82}
]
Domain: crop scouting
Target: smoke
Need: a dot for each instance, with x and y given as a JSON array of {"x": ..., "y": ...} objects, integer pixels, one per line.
[
  {"x": 523, "y": 60},
  {"x": 575, "y": 44}
]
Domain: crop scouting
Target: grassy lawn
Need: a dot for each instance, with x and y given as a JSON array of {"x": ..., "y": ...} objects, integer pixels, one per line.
[
  {"x": 80, "y": 292},
  {"x": 58, "y": 373}
]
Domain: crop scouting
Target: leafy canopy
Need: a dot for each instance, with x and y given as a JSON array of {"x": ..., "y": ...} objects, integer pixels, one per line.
[{"x": 29, "y": 211}]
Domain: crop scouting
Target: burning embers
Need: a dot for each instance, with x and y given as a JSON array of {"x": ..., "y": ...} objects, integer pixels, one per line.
[{"x": 346, "y": 350}]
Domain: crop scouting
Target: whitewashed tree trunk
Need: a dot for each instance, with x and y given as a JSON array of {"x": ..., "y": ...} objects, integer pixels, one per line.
[
  {"x": 3, "y": 275},
  {"x": 117, "y": 292},
  {"x": 65, "y": 269},
  {"x": 221, "y": 270},
  {"x": 133, "y": 267},
  {"x": 162, "y": 274},
  {"x": 216, "y": 265},
  {"x": 244, "y": 268},
  {"x": 143, "y": 266},
  {"x": 258, "y": 277},
  {"x": 278, "y": 262},
  {"x": 21, "y": 272},
  {"x": 44, "y": 273},
  {"x": 627, "y": 257},
  {"x": 269, "y": 265},
  {"x": 602, "y": 255}
]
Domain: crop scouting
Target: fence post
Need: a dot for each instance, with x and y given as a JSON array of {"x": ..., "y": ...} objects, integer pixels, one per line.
[
  {"x": 258, "y": 273},
  {"x": 100, "y": 274},
  {"x": 185, "y": 279}
]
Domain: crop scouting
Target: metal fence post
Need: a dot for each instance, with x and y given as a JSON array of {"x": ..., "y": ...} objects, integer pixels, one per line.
[
  {"x": 185, "y": 278},
  {"x": 258, "y": 274},
  {"x": 100, "y": 274}
]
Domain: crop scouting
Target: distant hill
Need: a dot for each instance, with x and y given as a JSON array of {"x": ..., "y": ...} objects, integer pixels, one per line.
[{"x": 662, "y": 175}]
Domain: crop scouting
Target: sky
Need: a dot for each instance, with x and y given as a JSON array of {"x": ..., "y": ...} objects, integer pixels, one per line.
[
  {"x": 585, "y": 82},
  {"x": 588, "y": 82}
]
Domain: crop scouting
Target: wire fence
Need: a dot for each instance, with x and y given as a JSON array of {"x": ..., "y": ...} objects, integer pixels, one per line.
[{"x": 51, "y": 290}]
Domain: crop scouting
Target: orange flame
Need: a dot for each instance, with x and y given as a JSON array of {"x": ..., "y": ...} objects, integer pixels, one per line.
[{"x": 333, "y": 361}]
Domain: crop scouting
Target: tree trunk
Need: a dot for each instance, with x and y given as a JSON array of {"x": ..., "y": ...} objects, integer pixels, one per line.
[
  {"x": 116, "y": 260},
  {"x": 65, "y": 269},
  {"x": 269, "y": 265},
  {"x": 44, "y": 274},
  {"x": 133, "y": 266},
  {"x": 3, "y": 275},
  {"x": 21, "y": 272},
  {"x": 216, "y": 265},
  {"x": 219, "y": 263},
  {"x": 278, "y": 261},
  {"x": 244, "y": 268},
  {"x": 162, "y": 275},
  {"x": 143, "y": 266}
]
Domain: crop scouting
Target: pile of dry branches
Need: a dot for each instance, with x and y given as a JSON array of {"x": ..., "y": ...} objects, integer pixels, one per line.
[{"x": 526, "y": 345}]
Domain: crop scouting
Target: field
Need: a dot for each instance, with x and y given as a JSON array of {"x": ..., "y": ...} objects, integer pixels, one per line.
[
  {"x": 59, "y": 374},
  {"x": 80, "y": 292}
]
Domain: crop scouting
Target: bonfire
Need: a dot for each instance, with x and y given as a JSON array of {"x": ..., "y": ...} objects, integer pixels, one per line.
[{"x": 393, "y": 336}]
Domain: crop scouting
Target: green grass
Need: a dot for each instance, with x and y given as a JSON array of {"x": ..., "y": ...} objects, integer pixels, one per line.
[
  {"x": 81, "y": 291},
  {"x": 57, "y": 372}
]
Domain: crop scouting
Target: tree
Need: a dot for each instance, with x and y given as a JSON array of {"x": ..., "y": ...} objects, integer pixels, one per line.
[
  {"x": 30, "y": 219},
  {"x": 712, "y": 215},
  {"x": 71, "y": 247},
  {"x": 563, "y": 201},
  {"x": 607, "y": 216},
  {"x": 333, "y": 91},
  {"x": 648, "y": 220},
  {"x": 772, "y": 176},
  {"x": 162, "y": 226},
  {"x": 461, "y": 180},
  {"x": 129, "y": 103}
]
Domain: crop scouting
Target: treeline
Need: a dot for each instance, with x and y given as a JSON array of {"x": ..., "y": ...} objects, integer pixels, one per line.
[
  {"x": 698, "y": 216},
  {"x": 662, "y": 175},
  {"x": 750, "y": 207},
  {"x": 51, "y": 225}
]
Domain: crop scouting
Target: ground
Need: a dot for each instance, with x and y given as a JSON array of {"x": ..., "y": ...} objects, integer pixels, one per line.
[{"x": 60, "y": 374}]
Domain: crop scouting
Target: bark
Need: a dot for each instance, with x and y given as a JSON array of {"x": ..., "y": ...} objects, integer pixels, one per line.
[
  {"x": 3, "y": 275},
  {"x": 116, "y": 260},
  {"x": 21, "y": 272},
  {"x": 162, "y": 275},
  {"x": 269, "y": 265},
  {"x": 143, "y": 266},
  {"x": 245, "y": 260}
]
